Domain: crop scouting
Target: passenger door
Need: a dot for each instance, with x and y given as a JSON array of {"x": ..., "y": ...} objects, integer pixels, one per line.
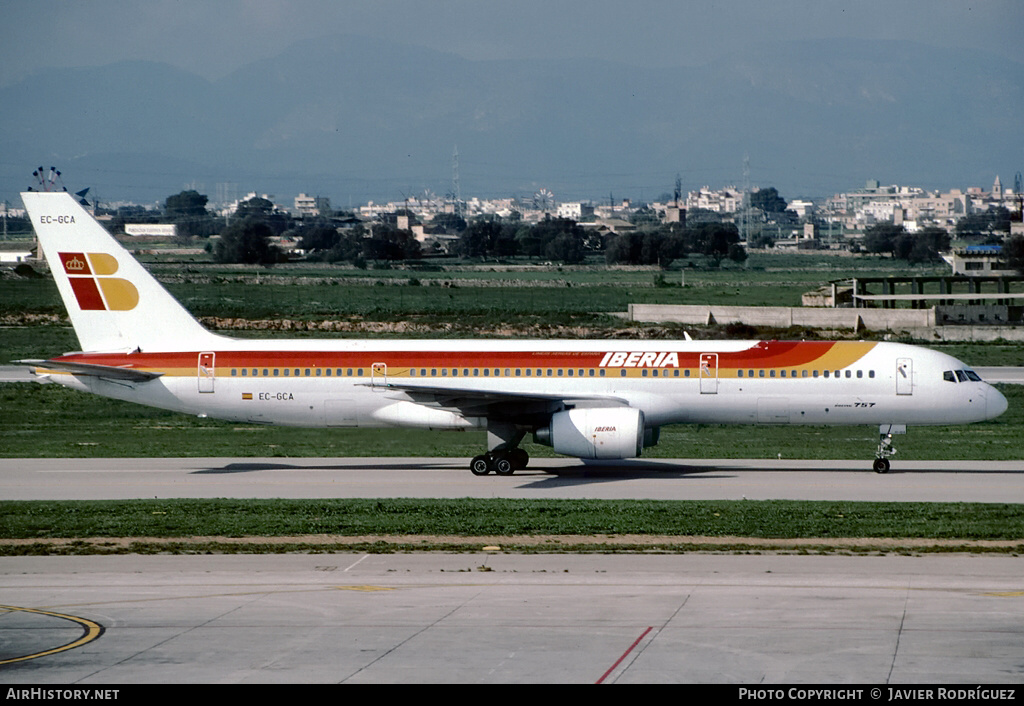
[
  {"x": 206, "y": 372},
  {"x": 708, "y": 373},
  {"x": 904, "y": 376}
]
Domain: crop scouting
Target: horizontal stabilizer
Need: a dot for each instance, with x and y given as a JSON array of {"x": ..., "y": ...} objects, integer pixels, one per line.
[{"x": 109, "y": 372}]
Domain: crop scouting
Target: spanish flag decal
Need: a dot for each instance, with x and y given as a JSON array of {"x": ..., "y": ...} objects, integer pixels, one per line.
[{"x": 94, "y": 288}]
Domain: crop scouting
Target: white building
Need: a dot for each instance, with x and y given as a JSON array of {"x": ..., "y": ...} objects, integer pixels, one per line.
[
  {"x": 803, "y": 209},
  {"x": 15, "y": 256},
  {"x": 727, "y": 200},
  {"x": 575, "y": 210}
]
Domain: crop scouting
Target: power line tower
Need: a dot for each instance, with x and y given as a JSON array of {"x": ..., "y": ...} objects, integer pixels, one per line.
[{"x": 456, "y": 192}]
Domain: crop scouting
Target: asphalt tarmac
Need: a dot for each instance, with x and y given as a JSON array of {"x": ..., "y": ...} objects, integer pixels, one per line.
[
  {"x": 755, "y": 620},
  {"x": 672, "y": 479}
]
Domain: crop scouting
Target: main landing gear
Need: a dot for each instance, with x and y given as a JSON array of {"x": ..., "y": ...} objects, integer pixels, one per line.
[
  {"x": 505, "y": 457},
  {"x": 504, "y": 463}
]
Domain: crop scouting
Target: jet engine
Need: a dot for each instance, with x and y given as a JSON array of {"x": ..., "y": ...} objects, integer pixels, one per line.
[{"x": 595, "y": 432}]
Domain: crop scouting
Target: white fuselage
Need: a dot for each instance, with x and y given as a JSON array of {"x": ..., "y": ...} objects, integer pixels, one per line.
[{"x": 374, "y": 384}]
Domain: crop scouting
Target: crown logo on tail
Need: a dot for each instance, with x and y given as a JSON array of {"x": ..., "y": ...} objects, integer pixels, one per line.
[{"x": 74, "y": 263}]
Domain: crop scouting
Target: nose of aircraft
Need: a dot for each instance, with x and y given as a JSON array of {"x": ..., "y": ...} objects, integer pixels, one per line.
[{"x": 995, "y": 403}]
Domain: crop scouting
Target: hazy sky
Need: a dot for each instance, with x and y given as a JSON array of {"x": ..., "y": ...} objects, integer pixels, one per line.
[{"x": 214, "y": 37}]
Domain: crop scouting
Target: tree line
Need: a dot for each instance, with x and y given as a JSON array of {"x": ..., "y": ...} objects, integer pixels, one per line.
[
  {"x": 559, "y": 240},
  {"x": 248, "y": 236},
  {"x": 921, "y": 247}
]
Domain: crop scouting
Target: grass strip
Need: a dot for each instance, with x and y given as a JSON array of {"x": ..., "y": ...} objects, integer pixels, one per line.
[
  {"x": 206, "y": 546},
  {"x": 50, "y": 421},
  {"x": 467, "y": 518}
]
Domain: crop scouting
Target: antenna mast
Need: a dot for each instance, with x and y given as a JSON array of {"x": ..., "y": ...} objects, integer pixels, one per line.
[{"x": 456, "y": 192}]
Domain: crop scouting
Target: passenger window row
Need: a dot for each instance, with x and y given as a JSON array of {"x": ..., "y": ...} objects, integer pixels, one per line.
[
  {"x": 563, "y": 372},
  {"x": 805, "y": 373},
  {"x": 296, "y": 372}
]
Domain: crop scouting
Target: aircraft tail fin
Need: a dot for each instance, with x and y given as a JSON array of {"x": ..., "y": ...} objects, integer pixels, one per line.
[{"x": 113, "y": 301}]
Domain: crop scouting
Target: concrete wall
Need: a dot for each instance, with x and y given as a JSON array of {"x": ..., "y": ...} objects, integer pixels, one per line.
[
  {"x": 785, "y": 316},
  {"x": 917, "y": 323}
]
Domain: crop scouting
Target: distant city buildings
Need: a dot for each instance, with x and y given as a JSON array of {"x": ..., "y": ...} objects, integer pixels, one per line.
[
  {"x": 915, "y": 208},
  {"x": 854, "y": 211},
  {"x": 843, "y": 214}
]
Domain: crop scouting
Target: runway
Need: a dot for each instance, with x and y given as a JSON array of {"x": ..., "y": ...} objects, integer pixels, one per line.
[{"x": 669, "y": 479}]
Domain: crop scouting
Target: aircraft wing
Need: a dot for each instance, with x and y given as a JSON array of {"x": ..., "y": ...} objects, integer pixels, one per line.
[
  {"x": 495, "y": 403},
  {"x": 110, "y": 372}
]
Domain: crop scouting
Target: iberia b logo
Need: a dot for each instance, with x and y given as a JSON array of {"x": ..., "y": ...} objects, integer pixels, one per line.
[{"x": 94, "y": 288}]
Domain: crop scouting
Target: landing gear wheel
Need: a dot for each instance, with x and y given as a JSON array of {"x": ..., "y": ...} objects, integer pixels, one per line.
[
  {"x": 480, "y": 465},
  {"x": 503, "y": 465},
  {"x": 881, "y": 465},
  {"x": 519, "y": 458},
  {"x": 504, "y": 462}
]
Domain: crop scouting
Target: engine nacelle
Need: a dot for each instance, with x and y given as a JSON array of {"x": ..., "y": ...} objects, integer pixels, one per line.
[{"x": 595, "y": 432}]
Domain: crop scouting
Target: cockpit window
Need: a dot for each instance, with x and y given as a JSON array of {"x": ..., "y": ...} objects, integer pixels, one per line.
[{"x": 960, "y": 376}]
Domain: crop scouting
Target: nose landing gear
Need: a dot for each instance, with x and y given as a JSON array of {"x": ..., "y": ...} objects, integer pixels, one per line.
[{"x": 885, "y": 448}]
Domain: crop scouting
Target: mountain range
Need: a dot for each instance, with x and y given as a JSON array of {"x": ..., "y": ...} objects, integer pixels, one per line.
[{"x": 355, "y": 118}]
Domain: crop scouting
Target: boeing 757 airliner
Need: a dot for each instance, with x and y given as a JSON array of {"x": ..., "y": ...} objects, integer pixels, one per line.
[{"x": 589, "y": 399}]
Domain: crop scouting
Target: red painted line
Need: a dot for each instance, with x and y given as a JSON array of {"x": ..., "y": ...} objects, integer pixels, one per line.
[{"x": 624, "y": 655}]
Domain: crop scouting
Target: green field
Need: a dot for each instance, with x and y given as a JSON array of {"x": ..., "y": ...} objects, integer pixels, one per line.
[
  {"x": 202, "y": 526},
  {"x": 49, "y": 421},
  {"x": 494, "y": 294}
]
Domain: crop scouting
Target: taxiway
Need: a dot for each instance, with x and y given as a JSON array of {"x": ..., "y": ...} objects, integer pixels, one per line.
[{"x": 667, "y": 479}]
